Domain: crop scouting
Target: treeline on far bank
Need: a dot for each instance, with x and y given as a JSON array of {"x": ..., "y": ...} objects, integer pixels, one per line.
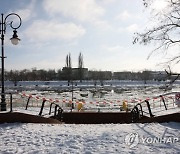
[{"x": 79, "y": 74}]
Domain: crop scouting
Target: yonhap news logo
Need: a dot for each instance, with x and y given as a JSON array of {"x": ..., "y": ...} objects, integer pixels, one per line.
[{"x": 133, "y": 139}]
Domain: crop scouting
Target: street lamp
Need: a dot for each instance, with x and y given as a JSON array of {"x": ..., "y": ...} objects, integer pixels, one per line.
[{"x": 3, "y": 24}]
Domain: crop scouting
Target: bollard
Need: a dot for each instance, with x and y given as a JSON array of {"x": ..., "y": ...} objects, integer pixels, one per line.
[
  {"x": 27, "y": 102},
  {"x": 42, "y": 106}
]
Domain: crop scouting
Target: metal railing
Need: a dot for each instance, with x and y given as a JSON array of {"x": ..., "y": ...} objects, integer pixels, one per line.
[
  {"x": 58, "y": 111},
  {"x": 138, "y": 111}
]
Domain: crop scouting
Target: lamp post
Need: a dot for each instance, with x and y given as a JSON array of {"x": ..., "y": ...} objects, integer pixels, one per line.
[{"x": 14, "y": 40}]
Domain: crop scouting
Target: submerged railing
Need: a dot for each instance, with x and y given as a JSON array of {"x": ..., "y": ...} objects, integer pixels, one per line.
[
  {"x": 145, "y": 107},
  {"x": 46, "y": 107},
  {"x": 57, "y": 109}
]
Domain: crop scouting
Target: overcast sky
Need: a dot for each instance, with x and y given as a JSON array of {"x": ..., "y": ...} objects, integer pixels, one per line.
[{"x": 102, "y": 30}]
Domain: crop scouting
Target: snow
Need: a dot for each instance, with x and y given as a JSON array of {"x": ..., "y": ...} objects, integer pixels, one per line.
[
  {"x": 89, "y": 139},
  {"x": 70, "y": 138}
]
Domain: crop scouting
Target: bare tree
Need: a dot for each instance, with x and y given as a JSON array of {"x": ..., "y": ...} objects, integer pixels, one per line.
[
  {"x": 145, "y": 76},
  {"x": 165, "y": 32},
  {"x": 80, "y": 67},
  {"x": 68, "y": 67},
  {"x": 14, "y": 77},
  {"x": 68, "y": 61}
]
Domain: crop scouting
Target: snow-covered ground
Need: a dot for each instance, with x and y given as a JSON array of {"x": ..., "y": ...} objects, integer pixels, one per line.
[{"x": 104, "y": 139}]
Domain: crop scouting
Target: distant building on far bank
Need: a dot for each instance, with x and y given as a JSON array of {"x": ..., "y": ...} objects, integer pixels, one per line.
[
  {"x": 74, "y": 73},
  {"x": 159, "y": 75},
  {"x": 144, "y": 75}
]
